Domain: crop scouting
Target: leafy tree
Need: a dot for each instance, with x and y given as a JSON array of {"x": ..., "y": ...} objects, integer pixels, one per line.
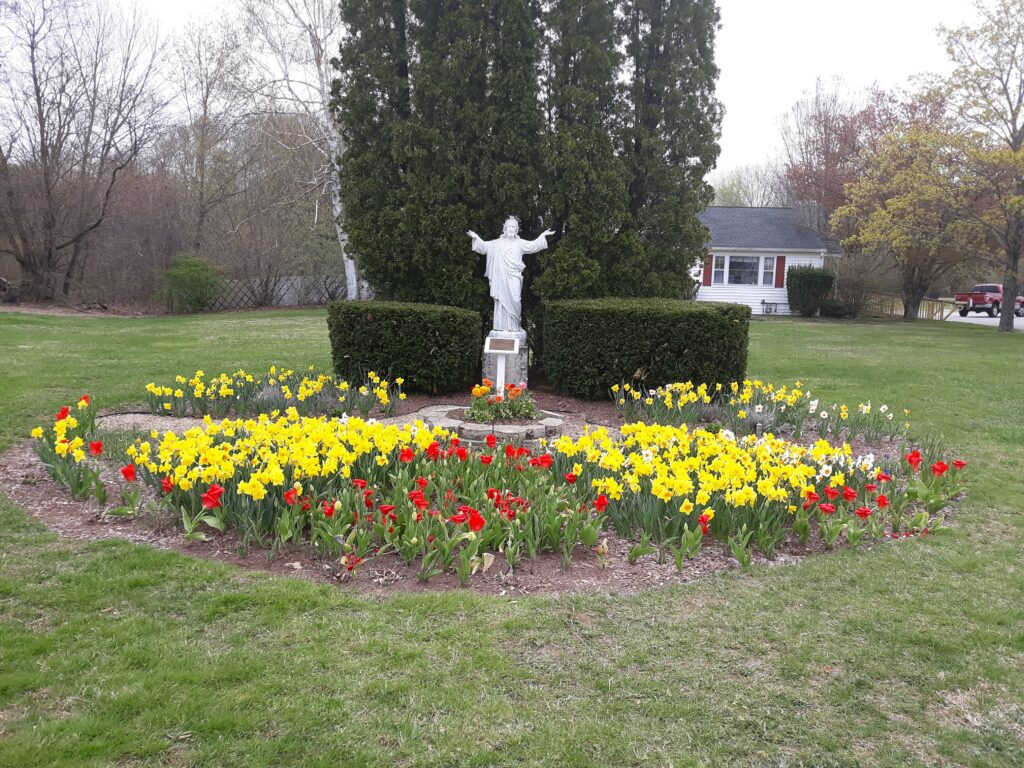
[
  {"x": 669, "y": 137},
  {"x": 986, "y": 90},
  {"x": 900, "y": 207}
]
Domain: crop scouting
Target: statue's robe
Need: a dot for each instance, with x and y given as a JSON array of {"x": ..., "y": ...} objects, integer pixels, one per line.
[{"x": 505, "y": 273}]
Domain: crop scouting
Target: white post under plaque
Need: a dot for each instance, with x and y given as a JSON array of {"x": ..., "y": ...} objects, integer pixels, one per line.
[{"x": 505, "y": 358}]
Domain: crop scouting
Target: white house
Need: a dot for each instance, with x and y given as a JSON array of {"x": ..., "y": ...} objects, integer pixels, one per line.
[{"x": 751, "y": 249}]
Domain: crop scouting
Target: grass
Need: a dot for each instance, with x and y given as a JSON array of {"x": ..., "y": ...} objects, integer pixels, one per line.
[{"x": 910, "y": 654}]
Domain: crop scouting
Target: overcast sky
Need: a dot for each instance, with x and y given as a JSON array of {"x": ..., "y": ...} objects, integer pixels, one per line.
[{"x": 771, "y": 51}]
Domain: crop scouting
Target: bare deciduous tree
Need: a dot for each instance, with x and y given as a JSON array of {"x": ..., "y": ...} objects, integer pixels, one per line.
[
  {"x": 78, "y": 106},
  {"x": 211, "y": 145},
  {"x": 295, "y": 41},
  {"x": 754, "y": 186}
]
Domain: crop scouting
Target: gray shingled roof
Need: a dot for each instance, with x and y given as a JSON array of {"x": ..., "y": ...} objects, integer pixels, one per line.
[{"x": 781, "y": 228}]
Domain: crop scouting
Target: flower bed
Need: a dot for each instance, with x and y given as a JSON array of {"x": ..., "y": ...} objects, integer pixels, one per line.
[
  {"x": 242, "y": 393},
  {"x": 755, "y": 407},
  {"x": 514, "y": 404},
  {"x": 351, "y": 489}
]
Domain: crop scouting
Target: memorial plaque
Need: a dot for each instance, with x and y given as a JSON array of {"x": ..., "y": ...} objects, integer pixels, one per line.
[{"x": 499, "y": 346}]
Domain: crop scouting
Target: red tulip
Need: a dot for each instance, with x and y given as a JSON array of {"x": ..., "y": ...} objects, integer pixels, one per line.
[
  {"x": 486, "y": 459},
  {"x": 462, "y": 453},
  {"x": 62, "y": 413},
  {"x": 459, "y": 518},
  {"x": 211, "y": 499},
  {"x": 882, "y": 501},
  {"x": 360, "y": 484},
  {"x": 433, "y": 451},
  {"x": 959, "y": 464},
  {"x": 863, "y": 513},
  {"x": 328, "y": 508},
  {"x": 96, "y": 448},
  {"x": 939, "y": 468},
  {"x": 914, "y": 459},
  {"x": 703, "y": 521},
  {"x": 291, "y": 496},
  {"x": 828, "y": 509},
  {"x": 570, "y": 477},
  {"x": 406, "y": 455},
  {"x": 422, "y": 482},
  {"x": 476, "y": 520},
  {"x": 601, "y": 503},
  {"x": 491, "y": 441},
  {"x": 128, "y": 472},
  {"x": 883, "y": 477},
  {"x": 387, "y": 509},
  {"x": 167, "y": 484},
  {"x": 871, "y": 487},
  {"x": 832, "y": 493},
  {"x": 84, "y": 399},
  {"x": 848, "y": 493}
]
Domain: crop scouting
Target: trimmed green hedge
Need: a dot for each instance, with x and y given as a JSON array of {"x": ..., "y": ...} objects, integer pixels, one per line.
[
  {"x": 435, "y": 348},
  {"x": 807, "y": 288},
  {"x": 591, "y": 344}
]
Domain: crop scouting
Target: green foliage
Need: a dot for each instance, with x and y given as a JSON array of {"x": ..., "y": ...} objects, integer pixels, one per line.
[
  {"x": 593, "y": 344},
  {"x": 444, "y": 121},
  {"x": 435, "y": 348},
  {"x": 833, "y": 308},
  {"x": 189, "y": 285},
  {"x": 668, "y": 134},
  {"x": 585, "y": 184},
  {"x": 807, "y": 288}
]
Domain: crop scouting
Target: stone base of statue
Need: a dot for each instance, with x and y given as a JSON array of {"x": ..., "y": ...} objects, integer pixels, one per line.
[{"x": 515, "y": 365}]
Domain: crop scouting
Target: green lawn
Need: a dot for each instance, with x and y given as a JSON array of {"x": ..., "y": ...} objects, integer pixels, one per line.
[{"x": 911, "y": 654}]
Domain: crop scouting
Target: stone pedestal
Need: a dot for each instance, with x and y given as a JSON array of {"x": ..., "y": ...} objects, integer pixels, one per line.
[{"x": 515, "y": 365}]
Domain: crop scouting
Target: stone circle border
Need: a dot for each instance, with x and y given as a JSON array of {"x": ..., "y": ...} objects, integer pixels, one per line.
[{"x": 437, "y": 416}]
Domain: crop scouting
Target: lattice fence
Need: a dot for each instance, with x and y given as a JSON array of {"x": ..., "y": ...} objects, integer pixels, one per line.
[{"x": 296, "y": 290}]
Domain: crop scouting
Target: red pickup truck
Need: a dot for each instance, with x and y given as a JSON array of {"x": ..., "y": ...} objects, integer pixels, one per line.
[{"x": 986, "y": 298}]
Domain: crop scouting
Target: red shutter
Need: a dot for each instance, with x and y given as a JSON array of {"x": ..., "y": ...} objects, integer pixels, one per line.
[
  {"x": 707, "y": 270},
  {"x": 780, "y": 271}
]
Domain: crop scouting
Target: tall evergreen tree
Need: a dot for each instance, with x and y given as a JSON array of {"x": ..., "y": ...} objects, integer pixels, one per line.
[
  {"x": 669, "y": 133},
  {"x": 585, "y": 184},
  {"x": 443, "y": 109},
  {"x": 461, "y": 153},
  {"x": 372, "y": 104}
]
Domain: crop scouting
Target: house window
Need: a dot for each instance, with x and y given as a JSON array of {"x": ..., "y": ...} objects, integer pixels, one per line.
[
  {"x": 743, "y": 270},
  {"x": 718, "y": 277},
  {"x": 768, "y": 271}
]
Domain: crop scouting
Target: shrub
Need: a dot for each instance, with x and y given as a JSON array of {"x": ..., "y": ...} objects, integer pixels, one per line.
[
  {"x": 833, "y": 308},
  {"x": 593, "y": 344},
  {"x": 189, "y": 285},
  {"x": 807, "y": 287},
  {"x": 435, "y": 348}
]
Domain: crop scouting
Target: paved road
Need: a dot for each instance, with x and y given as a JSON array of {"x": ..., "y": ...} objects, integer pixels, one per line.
[{"x": 991, "y": 322}]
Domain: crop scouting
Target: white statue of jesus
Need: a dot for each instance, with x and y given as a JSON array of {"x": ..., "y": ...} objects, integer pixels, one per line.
[{"x": 505, "y": 271}]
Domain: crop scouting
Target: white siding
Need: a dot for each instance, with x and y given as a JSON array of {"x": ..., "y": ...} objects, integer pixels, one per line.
[{"x": 753, "y": 295}]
